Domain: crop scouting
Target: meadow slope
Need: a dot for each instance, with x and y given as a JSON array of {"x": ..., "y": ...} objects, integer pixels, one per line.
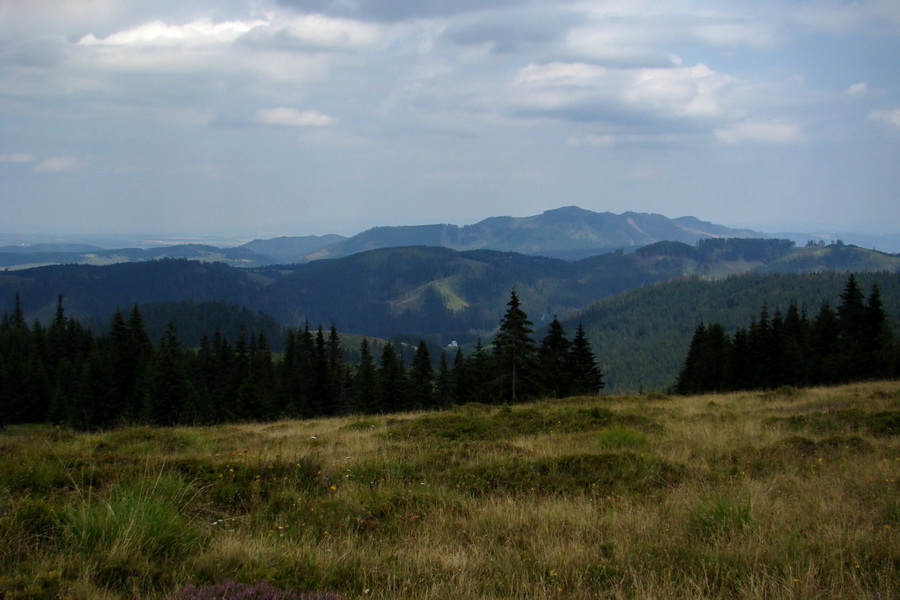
[{"x": 784, "y": 494}]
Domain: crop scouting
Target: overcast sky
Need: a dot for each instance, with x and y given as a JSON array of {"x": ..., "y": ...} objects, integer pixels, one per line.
[{"x": 295, "y": 117}]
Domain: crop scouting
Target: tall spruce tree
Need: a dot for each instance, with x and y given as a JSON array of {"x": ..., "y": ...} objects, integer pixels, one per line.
[
  {"x": 553, "y": 362},
  {"x": 852, "y": 328},
  {"x": 170, "y": 390},
  {"x": 365, "y": 397},
  {"x": 582, "y": 371},
  {"x": 443, "y": 387},
  {"x": 393, "y": 385},
  {"x": 514, "y": 353},
  {"x": 421, "y": 378}
]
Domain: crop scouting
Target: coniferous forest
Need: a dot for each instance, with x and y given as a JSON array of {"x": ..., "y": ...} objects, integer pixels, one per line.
[
  {"x": 64, "y": 373},
  {"x": 853, "y": 342}
]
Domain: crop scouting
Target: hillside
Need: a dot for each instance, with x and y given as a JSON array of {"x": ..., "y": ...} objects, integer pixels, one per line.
[
  {"x": 754, "y": 495},
  {"x": 444, "y": 295},
  {"x": 642, "y": 336}
]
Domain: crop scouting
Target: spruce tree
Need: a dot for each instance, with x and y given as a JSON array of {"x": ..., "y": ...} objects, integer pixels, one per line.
[
  {"x": 393, "y": 385},
  {"x": 877, "y": 336},
  {"x": 337, "y": 369},
  {"x": 553, "y": 372},
  {"x": 365, "y": 397},
  {"x": 421, "y": 378},
  {"x": 443, "y": 388},
  {"x": 852, "y": 328},
  {"x": 514, "y": 353},
  {"x": 170, "y": 390},
  {"x": 582, "y": 371}
]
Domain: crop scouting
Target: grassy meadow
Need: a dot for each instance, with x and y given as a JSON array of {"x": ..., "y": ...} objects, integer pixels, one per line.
[{"x": 784, "y": 494}]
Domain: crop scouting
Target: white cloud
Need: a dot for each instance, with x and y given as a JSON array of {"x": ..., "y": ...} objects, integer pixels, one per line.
[
  {"x": 58, "y": 164},
  {"x": 591, "y": 139},
  {"x": 201, "y": 31},
  {"x": 291, "y": 117},
  {"x": 857, "y": 89},
  {"x": 760, "y": 131},
  {"x": 315, "y": 31},
  {"x": 891, "y": 118},
  {"x": 737, "y": 34},
  {"x": 590, "y": 92},
  {"x": 16, "y": 157}
]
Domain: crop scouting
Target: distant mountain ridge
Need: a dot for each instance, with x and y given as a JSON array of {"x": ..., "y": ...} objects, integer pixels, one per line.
[{"x": 569, "y": 232}]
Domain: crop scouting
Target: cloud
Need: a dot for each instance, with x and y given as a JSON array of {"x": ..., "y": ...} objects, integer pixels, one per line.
[
  {"x": 890, "y": 117},
  {"x": 58, "y": 164},
  {"x": 16, "y": 157},
  {"x": 314, "y": 32},
  {"x": 586, "y": 92},
  {"x": 591, "y": 139},
  {"x": 857, "y": 89},
  {"x": 203, "y": 31},
  {"x": 291, "y": 117},
  {"x": 760, "y": 131},
  {"x": 399, "y": 10}
]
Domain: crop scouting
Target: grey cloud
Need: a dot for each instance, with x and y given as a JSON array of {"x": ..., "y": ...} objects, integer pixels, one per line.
[
  {"x": 512, "y": 30},
  {"x": 398, "y": 10},
  {"x": 41, "y": 52}
]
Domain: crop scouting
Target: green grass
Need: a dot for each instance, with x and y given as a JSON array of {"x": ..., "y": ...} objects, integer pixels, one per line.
[{"x": 792, "y": 494}]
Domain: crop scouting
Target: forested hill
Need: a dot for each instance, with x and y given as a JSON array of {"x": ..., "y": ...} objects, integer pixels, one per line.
[
  {"x": 431, "y": 292},
  {"x": 642, "y": 337},
  {"x": 640, "y": 331}
]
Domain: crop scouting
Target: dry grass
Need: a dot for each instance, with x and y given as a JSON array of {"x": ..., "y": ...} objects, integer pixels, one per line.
[{"x": 788, "y": 494}]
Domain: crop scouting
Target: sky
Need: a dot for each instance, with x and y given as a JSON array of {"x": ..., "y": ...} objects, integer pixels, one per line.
[{"x": 262, "y": 118}]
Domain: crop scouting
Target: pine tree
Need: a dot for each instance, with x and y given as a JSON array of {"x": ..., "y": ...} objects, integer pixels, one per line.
[
  {"x": 170, "y": 391},
  {"x": 421, "y": 378},
  {"x": 581, "y": 368},
  {"x": 93, "y": 407},
  {"x": 708, "y": 363},
  {"x": 825, "y": 343},
  {"x": 337, "y": 369},
  {"x": 514, "y": 353},
  {"x": 393, "y": 386},
  {"x": 553, "y": 372},
  {"x": 852, "y": 327},
  {"x": 322, "y": 391},
  {"x": 877, "y": 336},
  {"x": 365, "y": 397},
  {"x": 443, "y": 392}
]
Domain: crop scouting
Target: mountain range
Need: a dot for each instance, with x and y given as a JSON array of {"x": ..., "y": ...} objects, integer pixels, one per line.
[
  {"x": 638, "y": 301},
  {"x": 638, "y": 308},
  {"x": 569, "y": 233}
]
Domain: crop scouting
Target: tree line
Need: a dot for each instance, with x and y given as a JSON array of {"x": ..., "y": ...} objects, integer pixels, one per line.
[
  {"x": 852, "y": 343},
  {"x": 63, "y": 373}
]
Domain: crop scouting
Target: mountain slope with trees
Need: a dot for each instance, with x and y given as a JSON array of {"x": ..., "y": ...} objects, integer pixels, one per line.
[
  {"x": 642, "y": 336},
  {"x": 433, "y": 292},
  {"x": 441, "y": 295},
  {"x": 64, "y": 373}
]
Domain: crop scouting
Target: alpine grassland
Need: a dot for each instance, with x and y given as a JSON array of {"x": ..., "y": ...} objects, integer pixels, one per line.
[{"x": 791, "y": 493}]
